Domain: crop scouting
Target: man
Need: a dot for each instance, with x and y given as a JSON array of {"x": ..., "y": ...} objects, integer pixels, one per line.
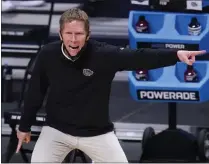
[{"x": 78, "y": 73}]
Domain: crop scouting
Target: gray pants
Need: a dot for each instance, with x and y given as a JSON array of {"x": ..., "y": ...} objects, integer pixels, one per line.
[{"x": 53, "y": 146}]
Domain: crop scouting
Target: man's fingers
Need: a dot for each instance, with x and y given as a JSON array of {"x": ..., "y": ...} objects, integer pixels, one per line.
[
  {"x": 188, "y": 61},
  {"x": 27, "y": 139},
  {"x": 19, "y": 145},
  {"x": 192, "y": 59},
  {"x": 194, "y": 53}
]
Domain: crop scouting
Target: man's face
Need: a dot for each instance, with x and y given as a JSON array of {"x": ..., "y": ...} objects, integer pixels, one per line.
[{"x": 74, "y": 36}]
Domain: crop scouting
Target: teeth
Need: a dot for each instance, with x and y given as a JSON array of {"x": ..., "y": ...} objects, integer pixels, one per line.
[{"x": 74, "y": 47}]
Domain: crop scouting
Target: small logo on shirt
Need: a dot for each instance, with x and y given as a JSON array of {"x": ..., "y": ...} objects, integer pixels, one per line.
[{"x": 88, "y": 72}]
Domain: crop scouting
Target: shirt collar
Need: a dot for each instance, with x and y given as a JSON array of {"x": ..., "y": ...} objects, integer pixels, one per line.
[{"x": 68, "y": 56}]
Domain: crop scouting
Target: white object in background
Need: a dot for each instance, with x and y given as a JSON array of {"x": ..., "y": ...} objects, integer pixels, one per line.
[
  {"x": 7, "y": 6},
  {"x": 140, "y": 2},
  {"x": 28, "y": 3},
  {"x": 194, "y": 5}
]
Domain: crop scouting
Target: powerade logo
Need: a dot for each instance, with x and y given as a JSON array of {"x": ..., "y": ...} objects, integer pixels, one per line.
[
  {"x": 175, "y": 46},
  {"x": 168, "y": 95},
  {"x": 168, "y": 46}
]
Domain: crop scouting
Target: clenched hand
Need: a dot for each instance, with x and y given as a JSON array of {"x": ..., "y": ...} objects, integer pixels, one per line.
[
  {"x": 22, "y": 137},
  {"x": 188, "y": 57}
]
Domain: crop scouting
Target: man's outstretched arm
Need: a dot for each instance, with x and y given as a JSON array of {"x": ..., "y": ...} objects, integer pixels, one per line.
[{"x": 127, "y": 59}]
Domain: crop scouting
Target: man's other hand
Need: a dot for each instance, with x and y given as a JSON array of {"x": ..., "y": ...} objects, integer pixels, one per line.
[
  {"x": 22, "y": 137},
  {"x": 189, "y": 56}
]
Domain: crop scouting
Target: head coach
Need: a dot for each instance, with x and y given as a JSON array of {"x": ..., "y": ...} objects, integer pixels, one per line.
[{"x": 78, "y": 72}]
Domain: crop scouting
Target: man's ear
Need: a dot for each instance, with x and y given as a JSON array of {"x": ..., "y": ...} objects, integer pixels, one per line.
[
  {"x": 60, "y": 35},
  {"x": 88, "y": 36}
]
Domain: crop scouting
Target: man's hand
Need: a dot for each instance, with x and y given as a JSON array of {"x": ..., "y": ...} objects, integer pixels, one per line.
[
  {"x": 188, "y": 56},
  {"x": 22, "y": 137}
]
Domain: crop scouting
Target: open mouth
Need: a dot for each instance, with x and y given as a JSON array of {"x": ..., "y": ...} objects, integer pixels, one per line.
[{"x": 74, "y": 47}]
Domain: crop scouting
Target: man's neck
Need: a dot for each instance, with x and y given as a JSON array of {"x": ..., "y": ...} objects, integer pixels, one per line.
[{"x": 67, "y": 55}]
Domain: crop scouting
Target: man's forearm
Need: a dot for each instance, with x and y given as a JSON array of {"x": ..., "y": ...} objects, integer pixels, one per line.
[
  {"x": 32, "y": 104},
  {"x": 156, "y": 58},
  {"x": 127, "y": 59},
  {"x": 26, "y": 121},
  {"x": 37, "y": 88}
]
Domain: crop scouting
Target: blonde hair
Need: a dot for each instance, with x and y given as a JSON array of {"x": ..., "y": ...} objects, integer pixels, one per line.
[{"x": 74, "y": 14}]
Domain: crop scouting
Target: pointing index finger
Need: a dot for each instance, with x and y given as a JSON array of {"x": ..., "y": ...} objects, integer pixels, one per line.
[
  {"x": 194, "y": 53},
  {"x": 19, "y": 145}
]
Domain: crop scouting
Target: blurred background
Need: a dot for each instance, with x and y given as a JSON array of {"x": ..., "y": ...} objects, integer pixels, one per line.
[{"x": 27, "y": 25}]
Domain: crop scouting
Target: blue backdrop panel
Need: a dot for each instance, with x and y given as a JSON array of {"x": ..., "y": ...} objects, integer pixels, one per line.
[{"x": 169, "y": 30}]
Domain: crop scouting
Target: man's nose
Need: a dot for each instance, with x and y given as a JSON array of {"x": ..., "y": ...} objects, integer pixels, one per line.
[{"x": 73, "y": 38}]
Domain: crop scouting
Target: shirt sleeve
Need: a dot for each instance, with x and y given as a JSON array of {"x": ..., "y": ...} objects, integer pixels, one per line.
[
  {"x": 120, "y": 59},
  {"x": 37, "y": 88}
]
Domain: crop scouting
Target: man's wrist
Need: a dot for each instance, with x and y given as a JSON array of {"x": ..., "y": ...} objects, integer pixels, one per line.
[
  {"x": 177, "y": 55},
  {"x": 24, "y": 129}
]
